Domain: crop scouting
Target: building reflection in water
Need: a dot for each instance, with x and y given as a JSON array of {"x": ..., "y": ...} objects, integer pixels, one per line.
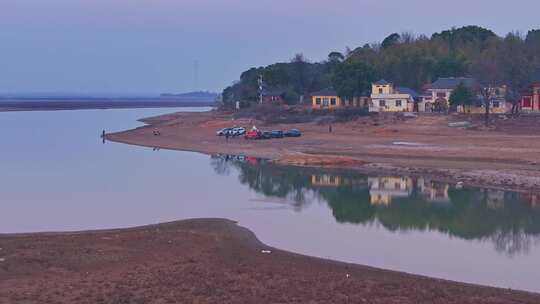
[
  {"x": 383, "y": 189},
  {"x": 510, "y": 220}
]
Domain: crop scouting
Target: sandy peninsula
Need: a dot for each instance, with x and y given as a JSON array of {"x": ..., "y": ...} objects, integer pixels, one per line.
[
  {"x": 204, "y": 261},
  {"x": 505, "y": 156}
]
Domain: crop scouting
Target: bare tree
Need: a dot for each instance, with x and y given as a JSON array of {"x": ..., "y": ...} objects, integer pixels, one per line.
[{"x": 488, "y": 73}]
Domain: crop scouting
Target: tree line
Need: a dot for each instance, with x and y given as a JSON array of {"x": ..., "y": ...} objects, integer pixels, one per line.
[{"x": 404, "y": 59}]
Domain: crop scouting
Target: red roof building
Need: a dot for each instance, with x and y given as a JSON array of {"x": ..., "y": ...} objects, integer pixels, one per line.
[{"x": 530, "y": 100}]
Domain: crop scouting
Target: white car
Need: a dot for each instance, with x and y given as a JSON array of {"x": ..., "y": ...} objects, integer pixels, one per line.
[
  {"x": 224, "y": 132},
  {"x": 238, "y": 131}
]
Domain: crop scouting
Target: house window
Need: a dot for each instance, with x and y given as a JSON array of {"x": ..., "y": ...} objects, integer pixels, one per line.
[
  {"x": 496, "y": 104},
  {"x": 398, "y": 103},
  {"x": 441, "y": 95},
  {"x": 333, "y": 101},
  {"x": 380, "y": 91},
  {"x": 318, "y": 101},
  {"x": 382, "y": 103}
]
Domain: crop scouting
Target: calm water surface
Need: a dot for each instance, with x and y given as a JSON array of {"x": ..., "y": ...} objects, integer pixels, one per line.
[{"x": 57, "y": 175}]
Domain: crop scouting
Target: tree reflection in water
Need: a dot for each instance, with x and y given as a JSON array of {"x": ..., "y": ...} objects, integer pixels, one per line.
[{"x": 510, "y": 220}]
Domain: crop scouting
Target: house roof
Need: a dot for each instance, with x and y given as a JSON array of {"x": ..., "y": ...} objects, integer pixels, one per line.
[
  {"x": 404, "y": 90},
  {"x": 382, "y": 82},
  {"x": 453, "y": 82},
  {"x": 325, "y": 92}
]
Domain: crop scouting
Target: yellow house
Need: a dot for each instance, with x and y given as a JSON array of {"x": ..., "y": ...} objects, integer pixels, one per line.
[
  {"x": 326, "y": 99},
  {"x": 329, "y": 99},
  {"x": 497, "y": 104},
  {"x": 496, "y": 107},
  {"x": 386, "y": 98}
]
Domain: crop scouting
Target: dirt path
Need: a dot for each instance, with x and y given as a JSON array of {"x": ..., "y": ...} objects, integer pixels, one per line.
[
  {"x": 204, "y": 261},
  {"x": 506, "y": 158}
]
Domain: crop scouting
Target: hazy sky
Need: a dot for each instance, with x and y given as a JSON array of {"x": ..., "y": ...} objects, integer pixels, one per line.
[{"x": 150, "y": 46}]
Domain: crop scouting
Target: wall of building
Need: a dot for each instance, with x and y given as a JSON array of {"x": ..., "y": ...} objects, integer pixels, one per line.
[
  {"x": 436, "y": 92},
  {"x": 357, "y": 102},
  {"x": 503, "y": 107},
  {"x": 531, "y": 102},
  {"x": 386, "y": 89},
  {"x": 391, "y": 103},
  {"x": 326, "y": 102}
]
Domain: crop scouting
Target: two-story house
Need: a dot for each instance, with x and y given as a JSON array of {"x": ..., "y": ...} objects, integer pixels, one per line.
[
  {"x": 437, "y": 96},
  {"x": 386, "y": 98}
]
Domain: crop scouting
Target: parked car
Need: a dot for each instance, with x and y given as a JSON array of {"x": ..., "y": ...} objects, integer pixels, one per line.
[
  {"x": 266, "y": 135},
  {"x": 223, "y": 131},
  {"x": 253, "y": 134},
  {"x": 292, "y": 133},
  {"x": 276, "y": 134},
  {"x": 238, "y": 131}
]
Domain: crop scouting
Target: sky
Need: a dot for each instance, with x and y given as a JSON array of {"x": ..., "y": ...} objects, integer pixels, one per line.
[{"x": 146, "y": 47}]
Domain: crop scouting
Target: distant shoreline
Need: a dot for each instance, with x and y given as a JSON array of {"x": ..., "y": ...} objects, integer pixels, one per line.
[{"x": 53, "y": 104}]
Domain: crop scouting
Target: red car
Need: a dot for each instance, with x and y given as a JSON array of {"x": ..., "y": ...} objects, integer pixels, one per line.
[{"x": 253, "y": 134}]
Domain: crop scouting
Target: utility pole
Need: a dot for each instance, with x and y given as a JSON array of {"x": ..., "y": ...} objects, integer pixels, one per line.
[{"x": 261, "y": 84}]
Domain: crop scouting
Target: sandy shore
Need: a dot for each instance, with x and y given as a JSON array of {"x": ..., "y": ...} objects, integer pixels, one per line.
[
  {"x": 506, "y": 157},
  {"x": 204, "y": 261}
]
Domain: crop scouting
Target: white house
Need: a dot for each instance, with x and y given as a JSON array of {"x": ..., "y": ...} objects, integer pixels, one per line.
[
  {"x": 386, "y": 98},
  {"x": 437, "y": 96}
]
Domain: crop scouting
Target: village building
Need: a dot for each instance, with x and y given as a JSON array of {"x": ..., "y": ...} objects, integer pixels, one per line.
[
  {"x": 329, "y": 99},
  {"x": 530, "y": 99},
  {"x": 386, "y": 98},
  {"x": 497, "y": 102},
  {"x": 437, "y": 95},
  {"x": 273, "y": 96}
]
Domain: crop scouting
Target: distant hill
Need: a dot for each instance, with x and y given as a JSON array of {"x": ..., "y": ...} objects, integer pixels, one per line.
[{"x": 200, "y": 95}]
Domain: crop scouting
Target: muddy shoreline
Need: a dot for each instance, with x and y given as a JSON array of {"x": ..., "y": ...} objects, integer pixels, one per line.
[
  {"x": 477, "y": 162},
  {"x": 204, "y": 261}
]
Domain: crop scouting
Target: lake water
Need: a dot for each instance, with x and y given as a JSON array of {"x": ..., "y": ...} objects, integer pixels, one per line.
[{"x": 57, "y": 175}]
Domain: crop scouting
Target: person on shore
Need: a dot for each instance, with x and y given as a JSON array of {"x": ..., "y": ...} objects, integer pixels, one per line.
[{"x": 227, "y": 136}]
